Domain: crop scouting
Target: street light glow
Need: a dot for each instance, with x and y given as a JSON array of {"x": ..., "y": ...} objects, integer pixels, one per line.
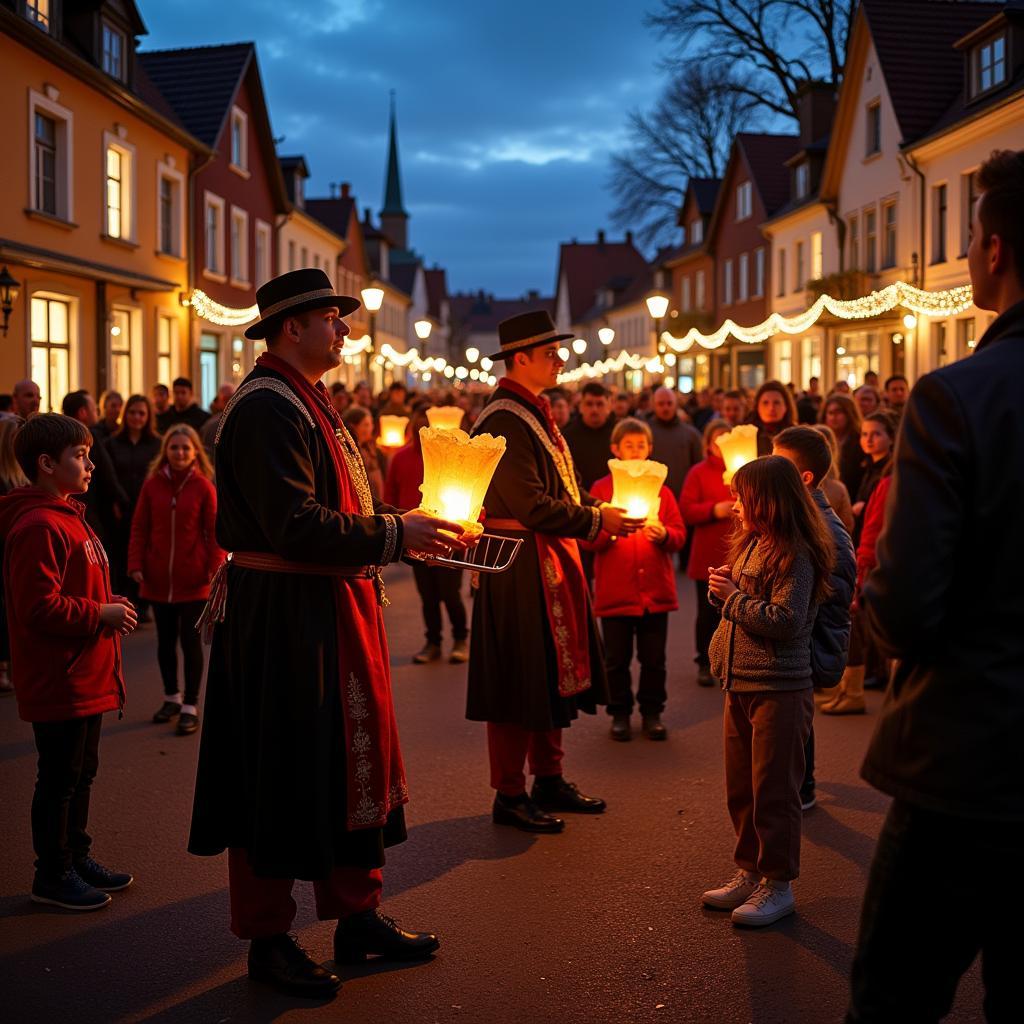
[
  {"x": 373, "y": 298},
  {"x": 657, "y": 305},
  {"x": 472, "y": 355},
  {"x": 607, "y": 335},
  {"x": 579, "y": 346},
  {"x": 422, "y": 328}
]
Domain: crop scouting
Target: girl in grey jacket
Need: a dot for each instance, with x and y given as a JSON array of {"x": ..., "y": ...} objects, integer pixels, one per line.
[{"x": 769, "y": 593}]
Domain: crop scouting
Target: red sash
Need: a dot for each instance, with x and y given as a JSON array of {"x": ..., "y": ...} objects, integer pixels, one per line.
[
  {"x": 375, "y": 773},
  {"x": 565, "y": 594}
]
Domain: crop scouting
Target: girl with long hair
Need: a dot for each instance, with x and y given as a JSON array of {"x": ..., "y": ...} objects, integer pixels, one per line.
[
  {"x": 172, "y": 555},
  {"x": 780, "y": 562},
  {"x": 774, "y": 410},
  {"x": 11, "y": 476},
  {"x": 833, "y": 488},
  {"x": 841, "y": 415}
]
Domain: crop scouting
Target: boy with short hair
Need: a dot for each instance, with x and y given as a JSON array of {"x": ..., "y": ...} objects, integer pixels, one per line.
[
  {"x": 634, "y": 590},
  {"x": 65, "y": 628},
  {"x": 808, "y": 450}
]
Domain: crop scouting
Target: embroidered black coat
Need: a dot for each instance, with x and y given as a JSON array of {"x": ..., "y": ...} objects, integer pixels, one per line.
[
  {"x": 272, "y": 771},
  {"x": 513, "y": 675}
]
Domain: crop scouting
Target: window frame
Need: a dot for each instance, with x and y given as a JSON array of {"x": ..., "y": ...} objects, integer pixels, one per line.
[
  {"x": 129, "y": 180},
  {"x": 744, "y": 200},
  {"x": 968, "y": 197},
  {"x": 977, "y": 67},
  {"x": 817, "y": 269},
  {"x": 29, "y": 10},
  {"x": 872, "y": 128},
  {"x": 241, "y": 279},
  {"x": 853, "y": 241},
  {"x": 889, "y": 231},
  {"x": 700, "y": 292},
  {"x": 239, "y": 118},
  {"x": 743, "y": 277},
  {"x": 132, "y": 349},
  {"x": 64, "y": 193},
  {"x": 216, "y": 272},
  {"x": 799, "y": 266},
  {"x": 727, "y": 292},
  {"x": 109, "y": 29},
  {"x": 685, "y": 297},
  {"x": 782, "y": 272},
  {"x": 802, "y": 180},
  {"x": 166, "y": 171},
  {"x": 757, "y": 291},
  {"x": 262, "y": 230},
  {"x": 696, "y": 236},
  {"x": 871, "y": 240},
  {"x": 52, "y": 292},
  {"x": 940, "y": 222}
]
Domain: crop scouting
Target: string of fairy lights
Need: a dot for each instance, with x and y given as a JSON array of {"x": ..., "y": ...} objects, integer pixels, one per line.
[{"x": 917, "y": 301}]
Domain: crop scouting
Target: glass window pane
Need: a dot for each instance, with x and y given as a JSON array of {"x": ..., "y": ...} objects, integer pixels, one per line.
[
  {"x": 58, "y": 322},
  {"x": 40, "y": 327},
  {"x": 60, "y": 383},
  {"x": 113, "y": 163},
  {"x": 41, "y": 375}
]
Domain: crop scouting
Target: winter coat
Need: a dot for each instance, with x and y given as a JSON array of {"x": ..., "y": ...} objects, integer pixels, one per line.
[
  {"x": 633, "y": 575},
  {"x": 873, "y": 473},
  {"x": 405, "y": 475},
  {"x": 590, "y": 447},
  {"x": 763, "y": 643},
  {"x": 830, "y": 638},
  {"x": 131, "y": 463},
  {"x": 709, "y": 543},
  {"x": 678, "y": 446},
  {"x": 64, "y": 663},
  {"x": 851, "y": 463},
  {"x": 874, "y": 521},
  {"x": 172, "y": 541},
  {"x": 946, "y": 598}
]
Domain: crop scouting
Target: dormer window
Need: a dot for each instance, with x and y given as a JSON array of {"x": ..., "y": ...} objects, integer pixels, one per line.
[
  {"x": 113, "y": 52},
  {"x": 802, "y": 180},
  {"x": 696, "y": 231},
  {"x": 744, "y": 200},
  {"x": 38, "y": 12},
  {"x": 239, "y": 153},
  {"x": 988, "y": 65}
]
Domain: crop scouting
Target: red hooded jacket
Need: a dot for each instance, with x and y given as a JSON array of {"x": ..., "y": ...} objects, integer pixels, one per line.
[
  {"x": 633, "y": 575},
  {"x": 172, "y": 542},
  {"x": 874, "y": 521},
  {"x": 702, "y": 490},
  {"x": 405, "y": 474},
  {"x": 64, "y": 663}
]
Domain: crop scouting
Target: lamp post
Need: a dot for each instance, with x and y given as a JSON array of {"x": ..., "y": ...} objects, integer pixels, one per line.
[
  {"x": 9, "y": 288},
  {"x": 373, "y": 299},
  {"x": 657, "y": 306}
]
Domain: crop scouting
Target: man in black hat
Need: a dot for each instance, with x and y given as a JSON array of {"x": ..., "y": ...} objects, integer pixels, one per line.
[
  {"x": 300, "y": 772},
  {"x": 536, "y": 659}
]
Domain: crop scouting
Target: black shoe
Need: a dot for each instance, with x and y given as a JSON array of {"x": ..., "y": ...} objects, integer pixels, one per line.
[
  {"x": 187, "y": 724},
  {"x": 522, "y": 813},
  {"x": 168, "y": 711},
  {"x": 102, "y": 878},
  {"x": 553, "y": 793},
  {"x": 653, "y": 728},
  {"x": 372, "y": 932},
  {"x": 281, "y": 962},
  {"x": 68, "y": 891},
  {"x": 621, "y": 730},
  {"x": 704, "y": 677}
]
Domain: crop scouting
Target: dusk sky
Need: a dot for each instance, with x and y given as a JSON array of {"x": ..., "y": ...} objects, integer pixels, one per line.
[{"x": 507, "y": 113}]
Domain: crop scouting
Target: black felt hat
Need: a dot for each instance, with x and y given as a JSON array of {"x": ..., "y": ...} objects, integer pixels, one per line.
[
  {"x": 296, "y": 292},
  {"x": 527, "y": 330}
]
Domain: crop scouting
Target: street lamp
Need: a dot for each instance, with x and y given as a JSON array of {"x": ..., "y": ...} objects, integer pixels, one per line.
[
  {"x": 472, "y": 355},
  {"x": 607, "y": 335},
  {"x": 657, "y": 306},
  {"x": 8, "y": 296},
  {"x": 423, "y": 329},
  {"x": 373, "y": 299}
]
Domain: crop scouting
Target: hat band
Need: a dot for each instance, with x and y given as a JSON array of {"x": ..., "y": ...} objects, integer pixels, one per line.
[
  {"x": 535, "y": 339},
  {"x": 294, "y": 300}
]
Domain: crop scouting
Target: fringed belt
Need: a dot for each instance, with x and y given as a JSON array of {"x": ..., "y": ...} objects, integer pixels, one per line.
[{"x": 264, "y": 561}]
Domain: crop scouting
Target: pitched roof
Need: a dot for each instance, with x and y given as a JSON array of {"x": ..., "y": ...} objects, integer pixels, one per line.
[
  {"x": 437, "y": 290},
  {"x": 335, "y": 214},
  {"x": 298, "y": 163},
  {"x": 591, "y": 267},
  {"x": 766, "y": 156},
  {"x": 705, "y": 192},
  {"x": 914, "y": 41},
  {"x": 199, "y": 83},
  {"x": 480, "y": 312}
]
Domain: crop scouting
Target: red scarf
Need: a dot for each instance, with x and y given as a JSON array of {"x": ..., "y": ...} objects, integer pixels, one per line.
[
  {"x": 375, "y": 773},
  {"x": 541, "y": 404}
]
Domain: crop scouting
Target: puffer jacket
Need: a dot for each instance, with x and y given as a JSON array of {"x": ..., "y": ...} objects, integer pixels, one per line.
[
  {"x": 830, "y": 638},
  {"x": 763, "y": 643}
]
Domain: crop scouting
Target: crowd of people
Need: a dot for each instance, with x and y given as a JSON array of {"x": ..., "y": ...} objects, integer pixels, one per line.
[{"x": 871, "y": 542}]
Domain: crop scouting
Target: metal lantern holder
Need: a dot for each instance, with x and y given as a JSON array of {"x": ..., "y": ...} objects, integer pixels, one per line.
[{"x": 492, "y": 553}]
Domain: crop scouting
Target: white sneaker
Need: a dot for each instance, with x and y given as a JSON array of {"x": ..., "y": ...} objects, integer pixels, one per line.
[
  {"x": 734, "y": 893},
  {"x": 768, "y": 904}
]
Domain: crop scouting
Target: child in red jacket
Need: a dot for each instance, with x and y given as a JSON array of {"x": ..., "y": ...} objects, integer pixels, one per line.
[
  {"x": 65, "y": 627},
  {"x": 172, "y": 555},
  {"x": 634, "y": 590}
]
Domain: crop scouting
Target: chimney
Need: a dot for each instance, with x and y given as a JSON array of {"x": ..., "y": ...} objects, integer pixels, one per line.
[
  {"x": 816, "y": 104},
  {"x": 346, "y": 190},
  {"x": 366, "y": 215},
  {"x": 600, "y": 237},
  {"x": 629, "y": 238}
]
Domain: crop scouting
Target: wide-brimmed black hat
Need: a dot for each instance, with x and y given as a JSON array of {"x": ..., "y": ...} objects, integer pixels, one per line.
[
  {"x": 526, "y": 330},
  {"x": 296, "y": 292}
]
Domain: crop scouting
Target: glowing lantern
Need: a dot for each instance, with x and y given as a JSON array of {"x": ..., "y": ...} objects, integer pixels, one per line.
[
  {"x": 392, "y": 431},
  {"x": 636, "y": 485},
  {"x": 457, "y": 471},
  {"x": 444, "y": 417},
  {"x": 738, "y": 447}
]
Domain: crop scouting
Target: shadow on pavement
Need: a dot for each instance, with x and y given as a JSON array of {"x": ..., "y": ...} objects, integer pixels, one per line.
[{"x": 824, "y": 829}]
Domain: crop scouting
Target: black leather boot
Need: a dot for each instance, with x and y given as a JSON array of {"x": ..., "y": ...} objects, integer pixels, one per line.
[
  {"x": 621, "y": 730},
  {"x": 281, "y": 962},
  {"x": 372, "y": 932},
  {"x": 522, "y": 813},
  {"x": 654, "y": 728},
  {"x": 553, "y": 793}
]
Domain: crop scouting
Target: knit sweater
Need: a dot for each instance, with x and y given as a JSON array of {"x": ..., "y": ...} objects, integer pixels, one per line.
[{"x": 763, "y": 642}]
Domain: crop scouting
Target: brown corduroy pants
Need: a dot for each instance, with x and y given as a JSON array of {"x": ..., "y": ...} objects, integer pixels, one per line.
[{"x": 764, "y": 736}]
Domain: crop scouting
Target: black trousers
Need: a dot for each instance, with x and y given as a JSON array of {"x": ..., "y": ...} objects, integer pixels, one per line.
[
  {"x": 176, "y": 623},
  {"x": 924, "y": 919},
  {"x": 705, "y": 623},
  {"x": 68, "y": 759},
  {"x": 808, "y": 762},
  {"x": 437, "y": 586},
  {"x": 651, "y": 633}
]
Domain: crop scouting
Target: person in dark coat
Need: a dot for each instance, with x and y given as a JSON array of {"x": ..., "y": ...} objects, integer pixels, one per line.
[
  {"x": 946, "y": 600},
  {"x": 676, "y": 444},
  {"x": 841, "y": 415},
  {"x": 774, "y": 411},
  {"x": 589, "y": 435},
  {"x": 536, "y": 659},
  {"x": 183, "y": 410},
  {"x": 300, "y": 772}
]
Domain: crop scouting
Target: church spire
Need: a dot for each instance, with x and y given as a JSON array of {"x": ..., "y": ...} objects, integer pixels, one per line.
[{"x": 393, "y": 215}]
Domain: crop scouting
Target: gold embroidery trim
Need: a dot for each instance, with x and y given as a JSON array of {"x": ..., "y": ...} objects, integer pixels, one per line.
[
  {"x": 279, "y": 387},
  {"x": 561, "y": 635}
]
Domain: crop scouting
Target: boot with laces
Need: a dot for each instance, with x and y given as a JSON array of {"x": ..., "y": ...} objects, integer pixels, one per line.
[
  {"x": 733, "y": 893},
  {"x": 99, "y": 877},
  {"x": 770, "y": 902},
  {"x": 279, "y": 961},
  {"x": 372, "y": 932}
]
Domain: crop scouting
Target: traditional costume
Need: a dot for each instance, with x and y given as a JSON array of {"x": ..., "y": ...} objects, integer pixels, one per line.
[
  {"x": 536, "y": 659},
  {"x": 300, "y": 771}
]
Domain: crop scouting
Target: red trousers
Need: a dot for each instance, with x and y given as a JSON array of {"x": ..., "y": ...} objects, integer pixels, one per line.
[
  {"x": 509, "y": 747},
  {"x": 261, "y": 907},
  {"x": 765, "y": 735}
]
